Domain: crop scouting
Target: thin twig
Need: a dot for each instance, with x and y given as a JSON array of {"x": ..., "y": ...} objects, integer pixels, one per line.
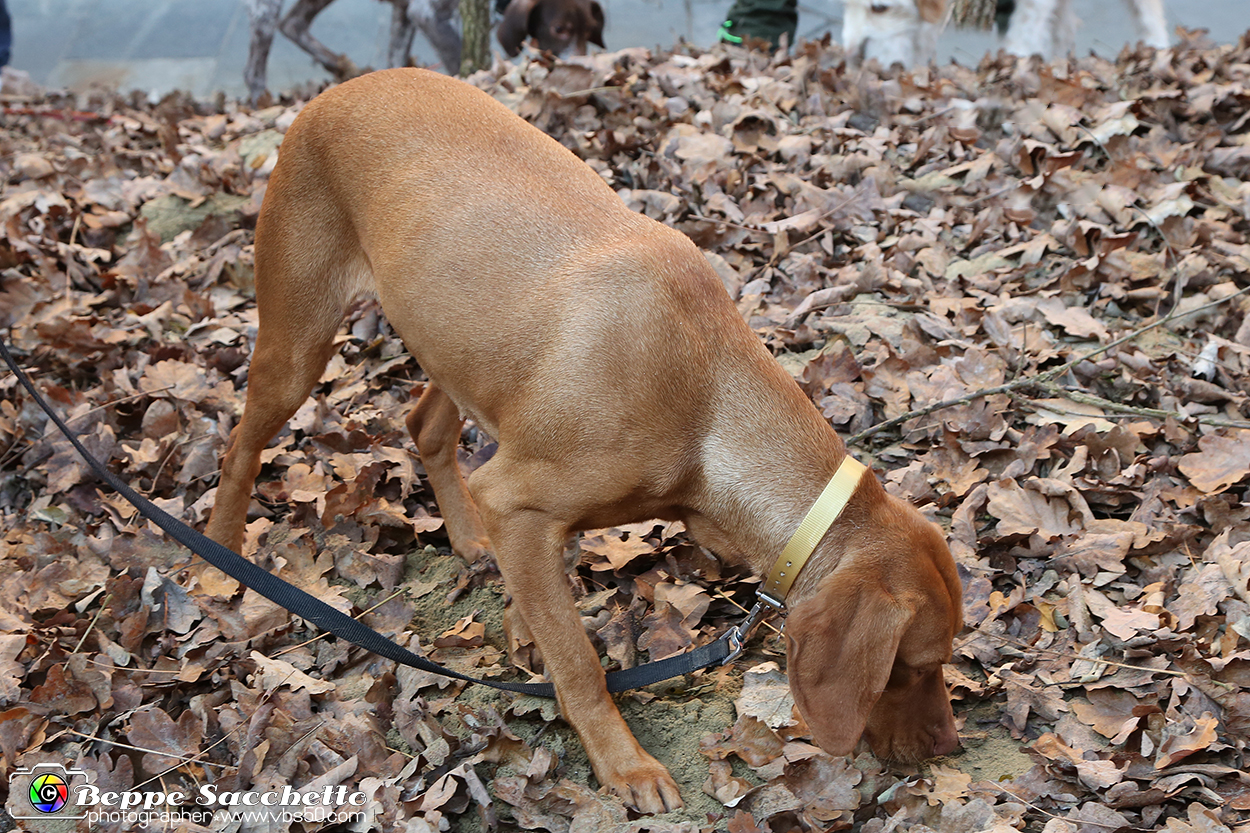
[
  {"x": 991, "y": 195},
  {"x": 722, "y": 222},
  {"x": 103, "y": 604},
  {"x": 69, "y": 419},
  {"x": 73, "y": 235},
  {"x": 173, "y": 447},
  {"x": 1041, "y": 378},
  {"x": 197, "y": 758},
  {"x": 120, "y": 745},
  {"x": 764, "y": 230},
  {"x": 1133, "y": 410},
  {"x": 764, "y": 622},
  {"x": 324, "y": 634},
  {"x": 922, "y": 119},
  {"x": 114, "y": 666},
  {"x": 1046, "y": 813},
  {"x": 590, "y": 91},
  {"x": 407, "y": 755},
  {"x": 1072, "y": 656}
]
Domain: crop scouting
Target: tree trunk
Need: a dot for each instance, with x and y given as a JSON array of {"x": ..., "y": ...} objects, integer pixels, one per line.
[{"x": 475, "y": 14}]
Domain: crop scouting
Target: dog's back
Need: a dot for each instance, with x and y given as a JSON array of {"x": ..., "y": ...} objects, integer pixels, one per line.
[{"x": 457, "y": 213}]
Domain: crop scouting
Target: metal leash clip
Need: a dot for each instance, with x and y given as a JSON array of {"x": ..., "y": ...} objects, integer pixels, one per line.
[{"x": 739, "y": 635}]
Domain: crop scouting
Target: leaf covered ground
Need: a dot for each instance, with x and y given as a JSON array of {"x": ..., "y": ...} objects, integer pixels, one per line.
[{"x": 1055, "y": 254}]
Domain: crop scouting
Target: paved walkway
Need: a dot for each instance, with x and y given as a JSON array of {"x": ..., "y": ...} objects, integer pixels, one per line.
[{"x": 200, "y": 45}]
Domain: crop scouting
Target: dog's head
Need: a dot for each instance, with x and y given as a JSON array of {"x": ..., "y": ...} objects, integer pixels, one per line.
[
  {"x": 892, "y": 31},
  {"x": 555, "y": 25},
  {"x": 865, "y": 650}
]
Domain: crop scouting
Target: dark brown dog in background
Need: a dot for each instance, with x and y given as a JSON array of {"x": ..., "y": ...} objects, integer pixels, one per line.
[
  {"x": 601, "y": 351},
  {"x": 556, "y": 26}
]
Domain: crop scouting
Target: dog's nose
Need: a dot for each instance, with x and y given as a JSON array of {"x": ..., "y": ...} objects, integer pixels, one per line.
[{"x": 946, "y": 741}]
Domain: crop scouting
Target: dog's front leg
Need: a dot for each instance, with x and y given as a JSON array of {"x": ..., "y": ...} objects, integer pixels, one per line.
[
  {"x": 528, "y": 545},
  {"x": 296, "y": 26}
]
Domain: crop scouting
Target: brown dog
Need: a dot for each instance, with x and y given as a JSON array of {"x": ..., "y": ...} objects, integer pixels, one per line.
[
  {"x": 601, "y": 351},
  {"x": 555, "y": 25}
]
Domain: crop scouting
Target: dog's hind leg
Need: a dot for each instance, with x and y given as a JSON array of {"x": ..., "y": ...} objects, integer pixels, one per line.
[
  {"x": 435, "y": 425},
  {"x": 309, "y": 267}
]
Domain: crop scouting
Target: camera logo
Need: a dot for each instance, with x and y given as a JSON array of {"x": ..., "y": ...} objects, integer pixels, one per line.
[{"x": 48, "y": 791}]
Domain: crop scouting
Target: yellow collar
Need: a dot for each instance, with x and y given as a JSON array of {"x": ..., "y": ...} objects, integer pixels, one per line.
[
  {"x": 819, "y": 518},
  {"x": 772, "y": 595}
]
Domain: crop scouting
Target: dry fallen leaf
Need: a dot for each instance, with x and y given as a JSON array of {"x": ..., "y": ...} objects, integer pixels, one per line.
[
  {"x": 273, "y": 673},
  {"x": 898, "y": 239},
  {"x": 1224, "y": 459},
  {"x": 766, "y": 696}
]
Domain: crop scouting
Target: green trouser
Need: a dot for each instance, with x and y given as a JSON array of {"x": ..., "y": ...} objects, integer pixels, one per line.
[{"x": 763, "y": 19}]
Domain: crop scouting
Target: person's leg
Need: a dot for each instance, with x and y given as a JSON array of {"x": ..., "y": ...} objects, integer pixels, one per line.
[
  {"x": 6, "y": 35},
  {"x": 763, "y": 19}
]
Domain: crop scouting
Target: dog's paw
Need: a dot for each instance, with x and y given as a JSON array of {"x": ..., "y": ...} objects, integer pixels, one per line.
[
  {"x": 643, "y": 784},
  {"x": 474, "y": 551}
]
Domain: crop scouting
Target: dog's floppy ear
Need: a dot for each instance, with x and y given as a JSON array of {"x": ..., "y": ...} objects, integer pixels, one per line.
[
  {"x": 596, "y": 31},
  {"x": 515, "y": 27},
  {"x": 840, "y": 647}
]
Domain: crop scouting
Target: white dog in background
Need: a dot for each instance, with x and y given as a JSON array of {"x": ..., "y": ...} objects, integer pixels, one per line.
[{"x": 906, "y": 31}]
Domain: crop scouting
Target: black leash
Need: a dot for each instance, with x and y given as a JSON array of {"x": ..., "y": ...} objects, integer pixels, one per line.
[{"x": 723, "y": 650}]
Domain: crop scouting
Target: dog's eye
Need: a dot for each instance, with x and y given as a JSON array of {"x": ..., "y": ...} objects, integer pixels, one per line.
[{"x": 879, "y": 8}]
